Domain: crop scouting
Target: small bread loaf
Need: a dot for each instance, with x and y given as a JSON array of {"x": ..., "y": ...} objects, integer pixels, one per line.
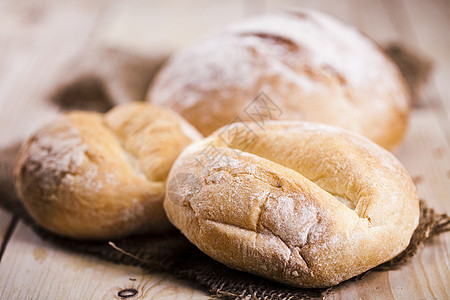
[
  {"x": 310, "y": 67},
  {"x": 301, "y": 203},
  {"x": 100, "y": 176}
]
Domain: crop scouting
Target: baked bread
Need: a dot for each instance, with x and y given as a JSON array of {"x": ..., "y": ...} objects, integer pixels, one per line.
[
  {"x": 100, "y": 176},
  {"x": 301, "y": 203},
  {"x": 309, "y": 67}
]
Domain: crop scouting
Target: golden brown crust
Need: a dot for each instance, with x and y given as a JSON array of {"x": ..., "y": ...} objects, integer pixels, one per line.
[
  {"x": 94, "y": 176},
  {"x": 313, "y": 67},
  {"x": 301, "y": 203}
]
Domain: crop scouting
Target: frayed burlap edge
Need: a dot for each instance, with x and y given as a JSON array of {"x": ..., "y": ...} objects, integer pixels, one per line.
[
  {"x": 415, "y": 68},
  {"x": 173, "y": 254}
]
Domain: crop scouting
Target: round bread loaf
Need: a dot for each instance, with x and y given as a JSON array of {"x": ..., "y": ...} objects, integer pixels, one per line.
[
  {"x": 101, "y": 176},
  {"x": 307, "y": 65},
  {"x": 304, "y": 204}
]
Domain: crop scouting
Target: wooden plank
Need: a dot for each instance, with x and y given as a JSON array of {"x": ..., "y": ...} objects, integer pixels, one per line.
[
  {"x": 426, "y": 155},
  {"x": 32, "y": 268},
  {"x": 427, "y": 275},
  {"x": 424, "y": 26},
  {"x": 161, "y": 27},
  {"x": 434, "y": 20},
  {"x": 339, "y": 9},
  {"x": 36, "y": 40}
]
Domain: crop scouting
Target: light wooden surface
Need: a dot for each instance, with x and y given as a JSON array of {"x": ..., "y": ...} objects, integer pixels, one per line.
[{"x": 38, "y": 38}]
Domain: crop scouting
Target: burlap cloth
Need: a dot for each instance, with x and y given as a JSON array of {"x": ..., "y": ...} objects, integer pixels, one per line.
[{"x": 107, "y": 77}]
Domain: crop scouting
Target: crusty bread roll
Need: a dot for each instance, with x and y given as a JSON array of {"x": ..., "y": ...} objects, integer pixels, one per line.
[
  {"x": 310, "y": 66},
  {"x": 100, "y": 176},
  {"x": 304, "y": 204}
]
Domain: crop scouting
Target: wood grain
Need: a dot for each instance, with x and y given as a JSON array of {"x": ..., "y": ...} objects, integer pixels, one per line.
[
  {"x": 38, "y": 39},
  {"x": 34, "y": 269},
  {"x": 164, "y": 26}
]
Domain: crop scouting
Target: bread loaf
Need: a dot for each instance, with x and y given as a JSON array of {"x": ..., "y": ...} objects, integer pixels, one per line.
[
  {"x": 100, "y": 176},
  {"x": 308, "y": 66},
  {"x": 304, "y": 204}
]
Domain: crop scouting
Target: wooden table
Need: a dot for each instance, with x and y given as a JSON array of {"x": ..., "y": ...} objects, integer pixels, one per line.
[{"x": 38, "y": 39}]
